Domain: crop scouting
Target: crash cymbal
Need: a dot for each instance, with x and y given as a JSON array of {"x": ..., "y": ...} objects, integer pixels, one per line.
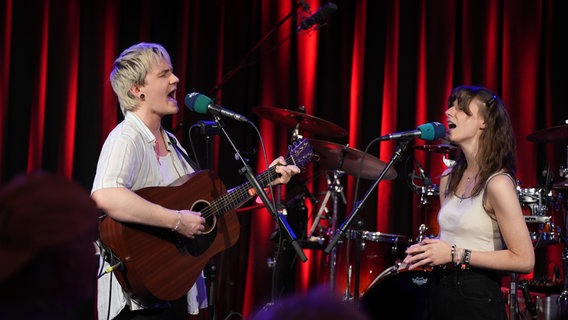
[
  {"x": 335, "y": 156},
  {"x": 554, "y": 134},
  {"x": 438, "y": 148},
  {"x": 301, "y": 120}
]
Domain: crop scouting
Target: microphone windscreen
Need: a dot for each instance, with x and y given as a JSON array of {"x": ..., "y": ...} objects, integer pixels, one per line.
[
  {"x": 432, "y": 131},
  {"x": 198, "y": 102}
]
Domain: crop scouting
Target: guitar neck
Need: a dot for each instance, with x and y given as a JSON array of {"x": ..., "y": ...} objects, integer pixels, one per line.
[{"x": 239, "y": 195}]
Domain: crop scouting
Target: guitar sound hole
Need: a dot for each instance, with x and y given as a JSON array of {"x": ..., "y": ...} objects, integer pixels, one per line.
[{"x": 210, "y": 217}]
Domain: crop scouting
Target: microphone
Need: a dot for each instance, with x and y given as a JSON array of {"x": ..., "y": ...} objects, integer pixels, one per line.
[
  {"x": 428, "y": 131},
  {"x": 203, "y": 104},
  {"x": 317, "y": 17}
]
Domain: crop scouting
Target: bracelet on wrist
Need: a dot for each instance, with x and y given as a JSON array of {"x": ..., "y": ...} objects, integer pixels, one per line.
[
  {"x": 178, "y": 222},
  {"x": 457, "y": 263},
  {"x": 466, "y": 259}
]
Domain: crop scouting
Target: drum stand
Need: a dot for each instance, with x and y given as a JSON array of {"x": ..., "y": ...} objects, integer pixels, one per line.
[
  {"x": 334, "y": 190},
  {"x": 563, "y": 298}
]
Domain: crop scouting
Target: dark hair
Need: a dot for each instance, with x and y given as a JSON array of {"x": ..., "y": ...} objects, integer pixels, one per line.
[{"x": 497, "y": 143}]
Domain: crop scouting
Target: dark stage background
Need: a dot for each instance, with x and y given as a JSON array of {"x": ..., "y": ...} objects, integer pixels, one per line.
[{"x": 376, "y": 67}]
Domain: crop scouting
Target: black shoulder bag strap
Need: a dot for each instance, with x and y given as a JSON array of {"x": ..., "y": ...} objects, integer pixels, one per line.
[{"x": 173, "y": 142}]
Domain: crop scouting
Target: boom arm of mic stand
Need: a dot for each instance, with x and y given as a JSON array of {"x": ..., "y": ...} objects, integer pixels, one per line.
[
  {"x": 359, "y": 204},
  {"x": 247, "y": 172},
  {"x": 233, "y": 71}
]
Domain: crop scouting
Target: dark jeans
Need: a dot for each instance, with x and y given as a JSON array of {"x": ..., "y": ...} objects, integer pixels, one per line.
[{"x": 466, "y": 294}]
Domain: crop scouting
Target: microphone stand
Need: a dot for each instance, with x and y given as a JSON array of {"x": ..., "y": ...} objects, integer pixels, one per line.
[
  {"x": 247, "y": 172},
  {"x": 400, "y": 148},
  {"x": 211, "y": 269}
]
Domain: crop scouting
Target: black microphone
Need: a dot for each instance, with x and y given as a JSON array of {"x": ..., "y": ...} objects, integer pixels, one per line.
[
  {"x": 317, "y": 17},
  {"x": 203, "y": 104},
  {"x": 428, "y": 131}
]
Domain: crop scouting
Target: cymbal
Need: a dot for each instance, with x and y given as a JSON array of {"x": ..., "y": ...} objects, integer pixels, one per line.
[
  {"x": 335, "y": 156},
  {"x": 304, "y": 121},
  {"x": 553, "y": 134},
  {"x": 438, "y": 148}
]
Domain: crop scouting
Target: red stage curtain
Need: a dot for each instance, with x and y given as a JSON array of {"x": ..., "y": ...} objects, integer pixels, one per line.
[{"x": 376, "y": 67}]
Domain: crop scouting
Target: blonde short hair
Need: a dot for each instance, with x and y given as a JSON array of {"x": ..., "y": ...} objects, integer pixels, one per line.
[{"x": 131, "y": 68}]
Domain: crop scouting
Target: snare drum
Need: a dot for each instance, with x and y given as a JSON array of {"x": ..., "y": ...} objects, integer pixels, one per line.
[
  {"x": 395, "y": 288},
  {"x": 378, "y": 251}
]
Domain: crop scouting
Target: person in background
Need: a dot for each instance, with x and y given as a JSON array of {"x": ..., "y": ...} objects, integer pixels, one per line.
[
  {"x": 483, "y": 233},
  {"x": 48, "y": 269},
  {"x": 316, "y": 304},
  {"x": 139, "y": 153}
]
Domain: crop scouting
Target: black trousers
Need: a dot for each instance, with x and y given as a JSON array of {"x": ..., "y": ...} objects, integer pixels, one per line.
[{"x": 466, "y": 294}]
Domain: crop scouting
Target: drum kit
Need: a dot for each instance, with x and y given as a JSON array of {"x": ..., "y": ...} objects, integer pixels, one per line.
[{"x": 377, "y": 253}]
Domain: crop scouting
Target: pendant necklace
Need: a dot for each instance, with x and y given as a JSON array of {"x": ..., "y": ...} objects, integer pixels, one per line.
[{"x": 467, "y": 180}]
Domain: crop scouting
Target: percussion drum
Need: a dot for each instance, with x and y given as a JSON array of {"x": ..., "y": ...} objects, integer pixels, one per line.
[
  {"x": 378, "y": 251},
  {"x": 544, "y": 214},
  {"x": 393, "y": 288}
]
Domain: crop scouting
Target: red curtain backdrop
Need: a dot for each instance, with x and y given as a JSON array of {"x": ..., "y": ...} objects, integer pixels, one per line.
[{"x": 375, "y": 67}]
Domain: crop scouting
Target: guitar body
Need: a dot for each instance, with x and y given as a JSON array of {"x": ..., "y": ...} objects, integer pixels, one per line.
[{"x": 158, "y": 264}]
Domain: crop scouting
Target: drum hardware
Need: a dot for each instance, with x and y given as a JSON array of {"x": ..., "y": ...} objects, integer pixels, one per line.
[
  {"x": 558, "y": 134},
  {"x": 384, "y": 172},
  {"x": 421, "y": 233},
  {"x": 563, "y": 298},
  {"x": 339, "y": 160},
  {"x": 334, "y": 188},
  {"x": 420, "y": 182},
  {"x": 513, "y": 301},
  {"x": 448, "y": 152},
  {"x": 542, "y": 205}
]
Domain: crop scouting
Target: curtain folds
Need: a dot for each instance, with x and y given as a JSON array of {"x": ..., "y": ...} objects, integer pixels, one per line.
[{"x": 374, "y": 67}]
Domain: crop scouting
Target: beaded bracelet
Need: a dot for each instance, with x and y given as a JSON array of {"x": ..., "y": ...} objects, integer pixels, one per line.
[
  {"x": 453, "y": 252},
  {"x": 178, "y": 222},
  {"x": 458, "y": 257},
  {"x": 466, "y": 258}
]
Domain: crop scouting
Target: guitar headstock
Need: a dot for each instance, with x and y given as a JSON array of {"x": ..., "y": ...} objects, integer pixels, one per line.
[{"x": 300, "y": 153}]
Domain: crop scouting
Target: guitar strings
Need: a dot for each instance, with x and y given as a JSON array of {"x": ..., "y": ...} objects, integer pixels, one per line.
[
  {"x": 222, "y": 204},
  {"x": 241, "y": 193}
]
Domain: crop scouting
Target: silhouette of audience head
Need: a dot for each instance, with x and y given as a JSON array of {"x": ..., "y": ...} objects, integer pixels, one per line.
[
  {"x": 48, "y": 268},
  {"x": 318, "y": 304}
]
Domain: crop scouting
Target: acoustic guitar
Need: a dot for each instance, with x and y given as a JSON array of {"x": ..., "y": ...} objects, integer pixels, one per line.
[{"x": 159, "y": 264}]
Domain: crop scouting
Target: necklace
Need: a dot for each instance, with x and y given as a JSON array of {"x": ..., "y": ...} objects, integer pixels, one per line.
[{"x": 465, "y": 187}]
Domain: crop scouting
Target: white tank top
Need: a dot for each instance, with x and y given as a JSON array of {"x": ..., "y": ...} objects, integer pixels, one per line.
[{"x": 465, "y": 223}]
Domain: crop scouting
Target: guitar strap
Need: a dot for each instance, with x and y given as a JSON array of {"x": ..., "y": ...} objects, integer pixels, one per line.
[{"x": 173, "y": 142}]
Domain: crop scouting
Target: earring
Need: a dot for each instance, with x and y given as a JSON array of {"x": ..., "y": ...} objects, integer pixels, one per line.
[{"x": 142, "y": 97}]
